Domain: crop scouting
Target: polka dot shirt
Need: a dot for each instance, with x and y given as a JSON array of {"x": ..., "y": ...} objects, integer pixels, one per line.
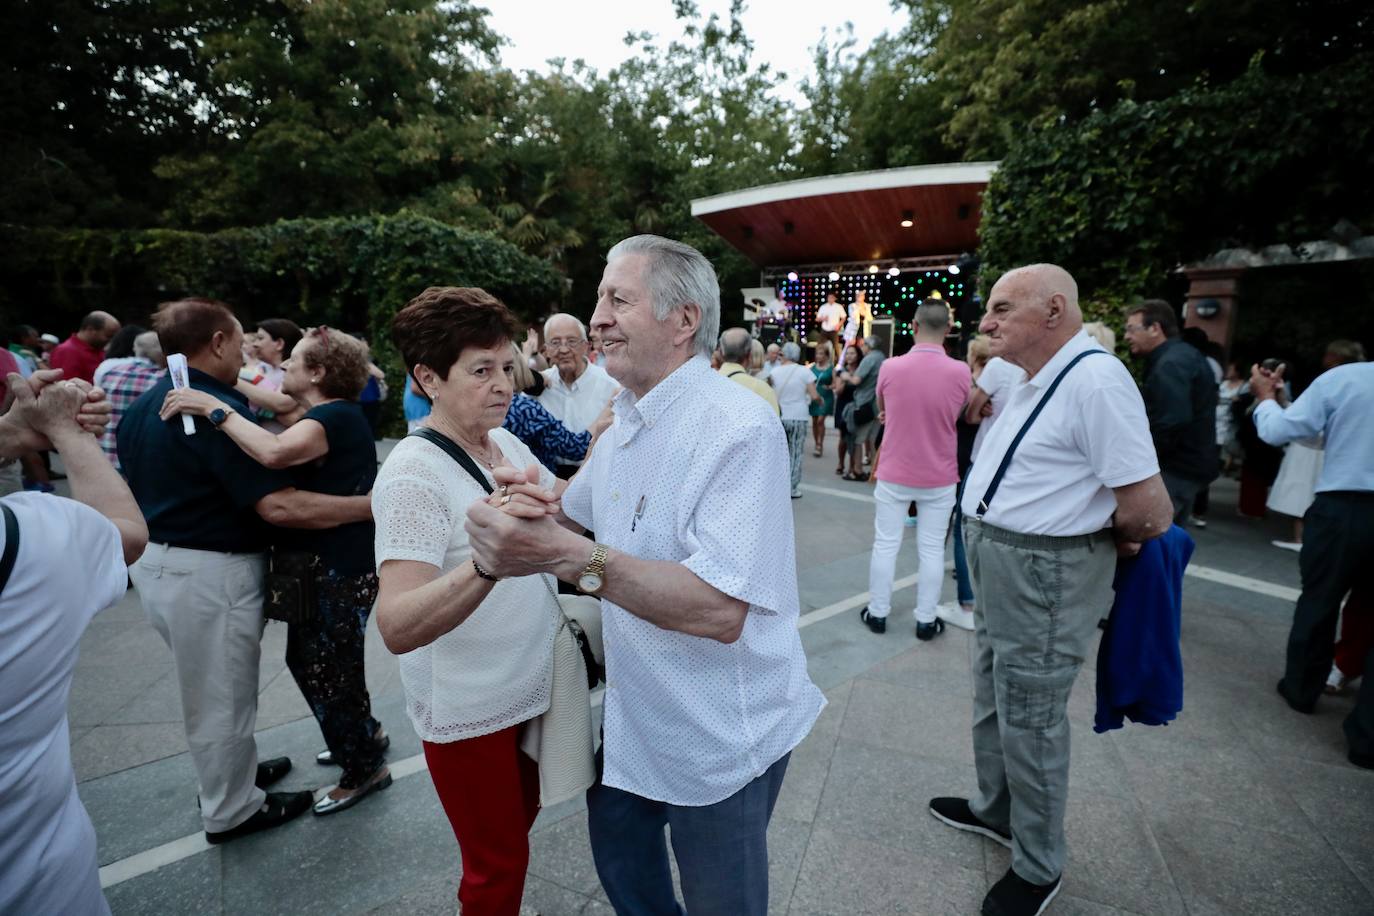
[{"x": 689, "y": 474}]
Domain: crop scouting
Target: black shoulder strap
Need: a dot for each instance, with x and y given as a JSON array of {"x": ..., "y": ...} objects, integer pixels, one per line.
[
  {"x": 735, "y": 373},
  {"x": 1025, "y": 427},
  {"x": 454, "y": 452},
  {"x": 11, "y": 546}
]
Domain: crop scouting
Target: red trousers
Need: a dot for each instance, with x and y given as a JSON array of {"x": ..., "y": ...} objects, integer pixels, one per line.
[
  {"x": 490, "y": 792},
  {"x": 1357, "y": 631}
]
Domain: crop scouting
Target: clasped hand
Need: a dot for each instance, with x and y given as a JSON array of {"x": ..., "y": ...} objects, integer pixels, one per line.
[
  {"x": 514, "y": 531},
  {"x": 45, "y": 406}
]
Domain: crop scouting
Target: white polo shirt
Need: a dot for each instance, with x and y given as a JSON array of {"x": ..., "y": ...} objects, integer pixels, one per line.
[
  {"x": 577, "y": 405},
  {"x": 1091, "y": 437},
  {"x": 688, "y": 474}
]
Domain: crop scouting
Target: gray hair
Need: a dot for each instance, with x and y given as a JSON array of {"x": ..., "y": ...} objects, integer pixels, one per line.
[
  {"x": 932, "y": 315},
  {"x": 791, "y": 351},
  {"x": 147, "y": 346},
  {"x": 735, "y": 344},
  {"x": 677, "y": 275},
  {"x": 582, "y": 328},
  {"x": 873, "y": 341}
]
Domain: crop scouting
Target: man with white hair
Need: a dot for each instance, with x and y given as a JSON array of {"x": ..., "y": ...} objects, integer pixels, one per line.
[
  {"x": 125, "y": 383},
  {"x": 697, "y": 574},
  {"x": 575, "y": 390},
  {"x": 1065, "y": 480}
]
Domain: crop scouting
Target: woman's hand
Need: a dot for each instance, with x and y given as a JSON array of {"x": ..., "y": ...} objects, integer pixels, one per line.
[
  {"x": 519, "y": 494},
  {"x": 189, "y": 400},
  {"x": 604, "y": 419}
]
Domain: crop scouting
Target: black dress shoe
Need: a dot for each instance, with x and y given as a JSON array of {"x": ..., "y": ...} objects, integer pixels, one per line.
[
  {"x": 928, "y": 631},
  {"x": 325, "y": 758},
  {"x": 279, "y": 808},
  {"x": 270, "y": 771},
  {"x": 876, "y": 624},
  {"x": 1306, "y": 709}
]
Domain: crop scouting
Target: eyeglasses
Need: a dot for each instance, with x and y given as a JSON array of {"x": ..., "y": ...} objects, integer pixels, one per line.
[
  {"x": 571, "y": 343},
  {"x": 1134, "y": 328}
]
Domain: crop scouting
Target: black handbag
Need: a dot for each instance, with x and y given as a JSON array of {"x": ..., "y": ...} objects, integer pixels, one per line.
[
  {"x": 864, "y": 414},
  {"x": 290, "y": 586}
]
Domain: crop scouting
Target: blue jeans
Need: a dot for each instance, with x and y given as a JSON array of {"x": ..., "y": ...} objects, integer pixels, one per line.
[
  {"x": 721, "y": 849},
  {"x": 961, "y": 576}
]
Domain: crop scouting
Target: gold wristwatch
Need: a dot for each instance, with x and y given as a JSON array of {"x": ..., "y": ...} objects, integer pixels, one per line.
[{"x": 594, "y": 576}]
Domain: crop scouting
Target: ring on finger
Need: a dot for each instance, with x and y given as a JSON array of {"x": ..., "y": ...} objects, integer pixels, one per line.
[
  {"x": 503, "y": 489},
  {"x": 505, "y": 499}
]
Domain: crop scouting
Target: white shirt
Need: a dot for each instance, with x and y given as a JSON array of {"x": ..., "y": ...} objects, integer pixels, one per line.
[
  {"x": 687, "y": 474},
  {"x": 831, "y": 316},
  {"x": 997, "y": 380},
  {"x": 47, "y": 844},
  {"x": 577, "y": 405},
  {"x": 790, "y": 381},
  {"x": 492, "y": 671},
  {"x": 1091, "y": 437}
]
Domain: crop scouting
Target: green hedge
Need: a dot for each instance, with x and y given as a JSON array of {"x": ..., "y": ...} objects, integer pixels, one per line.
[
  {"x": 1126, "y": 195},
  {"x": 352, "y": 273}
]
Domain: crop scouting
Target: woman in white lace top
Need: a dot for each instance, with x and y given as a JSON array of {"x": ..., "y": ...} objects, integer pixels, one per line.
[{"x": 475, "y": 653}]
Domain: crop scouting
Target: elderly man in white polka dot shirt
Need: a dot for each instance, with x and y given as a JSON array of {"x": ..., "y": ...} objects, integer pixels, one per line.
[{"x": 706, "y": 685}]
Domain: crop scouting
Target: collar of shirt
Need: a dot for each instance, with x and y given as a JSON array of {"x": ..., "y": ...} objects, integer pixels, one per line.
[
  {"x": 928, "y": 348},
  {"x": 639, "y": 412},
  {"x": 210, "y": 384},
  {"x": 557, "y": 380},
  {"x": 1075, "y": 345},
  {"x": 727, "y": 368}
]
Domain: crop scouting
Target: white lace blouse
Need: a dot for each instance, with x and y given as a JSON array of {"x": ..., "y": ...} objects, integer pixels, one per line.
[{"x": 491, "y": 671}]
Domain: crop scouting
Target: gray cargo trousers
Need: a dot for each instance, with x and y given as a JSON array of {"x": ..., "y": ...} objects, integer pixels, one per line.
[{"x": 1039, "y": 602}]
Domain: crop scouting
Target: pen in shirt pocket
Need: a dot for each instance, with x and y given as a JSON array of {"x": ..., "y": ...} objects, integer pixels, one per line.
[{"x": 639, "y": 512}]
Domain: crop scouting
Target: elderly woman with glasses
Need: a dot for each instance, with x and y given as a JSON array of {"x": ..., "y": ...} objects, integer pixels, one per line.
[{"x": 331, "y": 451}]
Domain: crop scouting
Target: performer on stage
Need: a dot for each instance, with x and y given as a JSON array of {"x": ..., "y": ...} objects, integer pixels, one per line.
[
  {"x": 860, "y": 323},
  {"x": 830, "y": 319}
]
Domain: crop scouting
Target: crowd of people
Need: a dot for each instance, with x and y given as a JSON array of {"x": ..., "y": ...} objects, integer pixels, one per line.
[{"x": 644, "y": 459}]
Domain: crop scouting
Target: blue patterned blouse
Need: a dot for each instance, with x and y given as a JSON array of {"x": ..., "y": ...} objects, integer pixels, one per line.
[{"x": 551, "y": 441}]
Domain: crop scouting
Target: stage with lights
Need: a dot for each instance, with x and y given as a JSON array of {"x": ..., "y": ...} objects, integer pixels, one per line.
[{"x": 899, "y": 235}]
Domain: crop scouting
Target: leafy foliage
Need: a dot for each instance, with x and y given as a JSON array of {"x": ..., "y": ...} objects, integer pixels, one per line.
[{"x": 1126, "y": 195}]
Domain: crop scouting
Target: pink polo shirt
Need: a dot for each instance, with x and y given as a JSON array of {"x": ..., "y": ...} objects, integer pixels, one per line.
[{"x": 923, "y": 393}]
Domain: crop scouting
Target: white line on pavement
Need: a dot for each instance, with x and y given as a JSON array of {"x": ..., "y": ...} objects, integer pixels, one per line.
[
  {"x": 864, "y": 496},
  {"x": 1258, "y": 586},
  {"x": 168, "y": 853}
]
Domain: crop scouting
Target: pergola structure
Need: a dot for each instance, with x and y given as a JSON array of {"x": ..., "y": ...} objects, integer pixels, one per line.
[{"x": 896, "y": 234}]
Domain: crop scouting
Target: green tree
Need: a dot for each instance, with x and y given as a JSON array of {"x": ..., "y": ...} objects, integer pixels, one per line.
[{"x": 318, "y": 107}]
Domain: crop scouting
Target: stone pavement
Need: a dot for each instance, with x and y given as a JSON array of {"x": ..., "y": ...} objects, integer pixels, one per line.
[{"x": 1241, "y": 806}]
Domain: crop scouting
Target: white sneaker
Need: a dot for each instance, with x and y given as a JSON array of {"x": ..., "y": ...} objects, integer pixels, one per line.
[
  {"x": 955, "y": 616},
  {"x": 1336, "y": 681},
  {"x": 1295, "y": 546}
]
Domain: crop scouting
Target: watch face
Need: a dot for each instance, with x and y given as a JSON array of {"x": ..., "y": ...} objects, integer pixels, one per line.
[
  {"x": 589, "y": 582},
  {"x": 218, "y": 416}
]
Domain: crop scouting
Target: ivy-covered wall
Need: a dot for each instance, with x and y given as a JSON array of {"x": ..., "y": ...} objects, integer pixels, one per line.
[{"x": 352, "y": 273}]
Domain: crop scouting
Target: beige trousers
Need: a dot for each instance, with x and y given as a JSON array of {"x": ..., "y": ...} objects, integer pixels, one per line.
[{"x": 207, "y": 607}]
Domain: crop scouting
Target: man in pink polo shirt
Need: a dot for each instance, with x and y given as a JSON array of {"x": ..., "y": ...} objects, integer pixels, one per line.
[{"x": 920, "y": 395}]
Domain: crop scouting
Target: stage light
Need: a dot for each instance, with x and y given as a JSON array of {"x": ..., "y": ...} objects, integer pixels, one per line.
[
  {"x": 834, "y": 275},
  {"x": 893, "y": 272},
  {"x": 873, "y": 268},
  {"x": 792, "y": 275},
  {"x": 953, "y": 268},
  {"x": 908, "y": 219}
]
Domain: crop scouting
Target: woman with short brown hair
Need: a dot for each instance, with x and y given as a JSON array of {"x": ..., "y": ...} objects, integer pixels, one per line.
[{"x": 476, "y": 654}]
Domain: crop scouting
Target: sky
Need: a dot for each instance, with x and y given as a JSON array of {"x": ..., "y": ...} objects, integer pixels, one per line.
[{"x": 783, "y": 31}]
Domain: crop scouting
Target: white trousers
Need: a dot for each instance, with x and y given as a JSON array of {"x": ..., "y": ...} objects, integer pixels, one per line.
[
  {"x": 933, "y": 508},
  {"x": 207, "y": 607}
]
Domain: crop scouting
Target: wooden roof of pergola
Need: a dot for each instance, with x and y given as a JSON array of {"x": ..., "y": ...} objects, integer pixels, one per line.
[{"x": 853, "y": 217}]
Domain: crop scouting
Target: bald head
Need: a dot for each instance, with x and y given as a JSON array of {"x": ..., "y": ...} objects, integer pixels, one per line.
[
  {"x": 1032, "y": 311},
  {"x": 97, "y": 328},
  {"x": 735, "y": 346}
]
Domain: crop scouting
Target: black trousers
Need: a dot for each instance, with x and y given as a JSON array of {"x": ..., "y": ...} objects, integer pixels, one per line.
[{"x": 1337, "y": 550}]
